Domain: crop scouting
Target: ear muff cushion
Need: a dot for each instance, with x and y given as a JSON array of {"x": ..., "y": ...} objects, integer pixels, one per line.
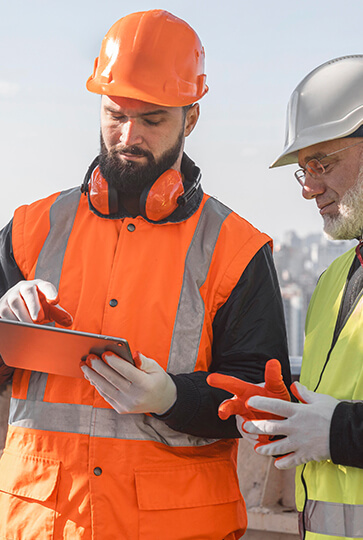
[
  {"x": 102, "y": 197},
  {"x": 160, "y": 200}
]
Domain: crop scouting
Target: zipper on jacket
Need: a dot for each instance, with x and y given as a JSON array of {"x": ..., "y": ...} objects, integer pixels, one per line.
[{"x": 306, "y": 500}]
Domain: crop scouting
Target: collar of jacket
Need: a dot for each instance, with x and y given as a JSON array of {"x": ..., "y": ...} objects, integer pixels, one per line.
[{"x": 190, "y": 172}]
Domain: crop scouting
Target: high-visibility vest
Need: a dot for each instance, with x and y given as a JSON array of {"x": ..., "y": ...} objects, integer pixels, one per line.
[
  {"x": 75, "y": 468},
  {"x": 329, "y": 496}
]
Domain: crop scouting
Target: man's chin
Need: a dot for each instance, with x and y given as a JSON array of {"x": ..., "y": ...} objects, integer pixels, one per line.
[{"x": 341, "y": 228}]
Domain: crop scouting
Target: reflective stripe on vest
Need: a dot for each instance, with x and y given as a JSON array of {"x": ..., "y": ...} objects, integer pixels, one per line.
[
  {"x": 190, "y": 315},
  {"x": 61, "y": 216},
  {"x": 334, "y": 519},
  {"x": 96, "y": 422},
  {"x": 34, "y": 413}
]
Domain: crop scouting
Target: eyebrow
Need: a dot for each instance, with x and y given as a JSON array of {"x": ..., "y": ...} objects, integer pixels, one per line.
[
  {"x": 157, "y": 112},
  {"x": 150, "y": 113},
  {"x": 318, "y": 155}
]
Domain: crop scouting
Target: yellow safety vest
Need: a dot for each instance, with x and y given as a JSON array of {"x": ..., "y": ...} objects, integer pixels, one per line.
[{"x": 329, "y": 496}]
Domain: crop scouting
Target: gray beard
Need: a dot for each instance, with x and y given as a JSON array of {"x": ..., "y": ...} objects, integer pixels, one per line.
[{"x": 348, "y": 224}]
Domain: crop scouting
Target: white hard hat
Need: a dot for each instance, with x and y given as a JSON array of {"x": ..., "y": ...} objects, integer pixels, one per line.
[{"x": 326, "y": 105}]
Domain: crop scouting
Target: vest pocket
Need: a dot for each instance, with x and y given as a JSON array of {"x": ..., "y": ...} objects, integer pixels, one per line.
[
  {"x": 27, "y": 496},
  {"x": 196, "y": 501}
]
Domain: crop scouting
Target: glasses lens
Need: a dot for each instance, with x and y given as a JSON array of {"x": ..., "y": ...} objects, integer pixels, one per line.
[
  {"x": 314, "y": 167},
  {"x": 300, "y": 176}
]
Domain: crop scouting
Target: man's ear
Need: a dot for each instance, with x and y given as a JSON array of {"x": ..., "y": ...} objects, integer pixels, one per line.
[{"x": 191, "y": 119}]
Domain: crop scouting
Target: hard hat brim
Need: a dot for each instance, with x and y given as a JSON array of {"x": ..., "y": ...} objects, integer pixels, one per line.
[
  {"x": 128, "y": 91},
  {"x": 318, "y": 135}
]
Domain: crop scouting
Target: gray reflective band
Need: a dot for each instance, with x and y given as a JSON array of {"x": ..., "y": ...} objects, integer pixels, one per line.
[
  {"x": 61, "y": 216},
  {"x": 36, "y": 386},
  {"x": 334, "y": 519},
  {"x": 190, "y": 315},
  {"x": 87, "y": 420}
]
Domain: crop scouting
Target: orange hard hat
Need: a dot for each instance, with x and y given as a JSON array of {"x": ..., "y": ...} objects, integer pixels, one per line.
[{"x": 152, "y": 56}]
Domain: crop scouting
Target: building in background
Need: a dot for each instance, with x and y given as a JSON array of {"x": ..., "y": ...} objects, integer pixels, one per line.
[{"x": 299, "y": 263}]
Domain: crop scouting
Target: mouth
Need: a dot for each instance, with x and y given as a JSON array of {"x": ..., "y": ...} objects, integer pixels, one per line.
[
  {"x": 129, "y": 153},
  {"x": 326, "y": 208},
  {"x": 131, "y": 157}
]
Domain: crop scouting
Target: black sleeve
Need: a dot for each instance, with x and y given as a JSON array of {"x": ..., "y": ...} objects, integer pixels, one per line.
[
  {"x": 248, "y": 330},
  {"x": 9, "y": 276},
  {"x": 346, "y": 434},
  {"x": 9, "y": 271}
]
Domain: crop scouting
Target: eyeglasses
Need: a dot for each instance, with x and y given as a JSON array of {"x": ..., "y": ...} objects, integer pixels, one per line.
[{"x": 315, "y": 168}]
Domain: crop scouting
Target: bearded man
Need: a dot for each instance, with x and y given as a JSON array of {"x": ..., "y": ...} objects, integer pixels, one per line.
[
  {"x": 323, "y": 435},
  {"x": 137, "y": 451}
]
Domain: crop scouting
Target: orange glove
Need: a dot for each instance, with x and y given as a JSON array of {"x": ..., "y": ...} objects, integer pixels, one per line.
[{"x": 273, "y": 387}]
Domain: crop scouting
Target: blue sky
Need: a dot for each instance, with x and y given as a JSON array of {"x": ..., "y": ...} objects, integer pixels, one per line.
[{"x": 256, "y": 54}]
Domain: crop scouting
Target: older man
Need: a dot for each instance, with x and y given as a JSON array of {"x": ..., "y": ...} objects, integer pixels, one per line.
[{"x": 323, "y": 435}]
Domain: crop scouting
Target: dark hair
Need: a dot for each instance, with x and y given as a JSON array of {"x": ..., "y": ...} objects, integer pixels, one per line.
[
  {"x": 357, "y": 133},
  {"x": 186, "y": 109}
]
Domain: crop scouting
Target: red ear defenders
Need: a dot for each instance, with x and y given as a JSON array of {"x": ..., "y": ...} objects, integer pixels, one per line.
[{"x": 157, "y": 201}]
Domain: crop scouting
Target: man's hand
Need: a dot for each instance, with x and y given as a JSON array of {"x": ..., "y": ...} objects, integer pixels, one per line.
[
  {"x": 34, "y": 301},
  {"x": 305, "y": 425},
  {"x": 146, "y": 388},
  {"x": 273, "y": 387}
]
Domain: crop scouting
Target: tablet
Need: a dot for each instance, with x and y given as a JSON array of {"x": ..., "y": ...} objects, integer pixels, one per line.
[{"x": 53, "y": 350}]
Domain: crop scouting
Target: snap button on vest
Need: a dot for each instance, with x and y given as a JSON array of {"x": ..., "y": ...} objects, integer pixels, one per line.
[
  {"x": 97, "y": 471},
  {"x": 113, "y": 302},
  {"x": 131, "y": 227}
]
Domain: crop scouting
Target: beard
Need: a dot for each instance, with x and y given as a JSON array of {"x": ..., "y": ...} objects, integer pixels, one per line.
[
  {"x": 130, "y": 178},
  {"x": 348, "y": 224}
]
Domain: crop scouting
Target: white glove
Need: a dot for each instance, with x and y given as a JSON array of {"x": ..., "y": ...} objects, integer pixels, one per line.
[
  {"x": 306, "y": 427},
  {"x": 146, "y": 388},
  {"x": 251, "y": 438},
  {"x": 34, "y": 301}
]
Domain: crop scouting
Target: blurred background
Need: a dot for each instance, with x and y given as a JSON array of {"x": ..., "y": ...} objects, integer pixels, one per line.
[{"x": 256, "y": 54}]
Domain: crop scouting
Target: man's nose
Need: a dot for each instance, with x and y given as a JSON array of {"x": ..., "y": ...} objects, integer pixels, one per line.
[
  {"x": 130, "y": 133},
  {"x": 313, "y": 186}
]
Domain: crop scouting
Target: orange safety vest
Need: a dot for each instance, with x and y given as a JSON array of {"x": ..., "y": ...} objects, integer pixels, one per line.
[{"x": 73, "y": 467}]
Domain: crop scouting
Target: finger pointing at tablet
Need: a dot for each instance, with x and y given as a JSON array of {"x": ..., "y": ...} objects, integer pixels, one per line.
[{"x": 34, "y": 301}]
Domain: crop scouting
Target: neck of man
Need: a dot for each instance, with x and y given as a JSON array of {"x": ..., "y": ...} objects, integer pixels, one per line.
[{"x": 131, "y": 205}]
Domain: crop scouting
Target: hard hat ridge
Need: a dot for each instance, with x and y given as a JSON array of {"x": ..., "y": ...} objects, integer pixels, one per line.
[{"x": 152, "y": 56}]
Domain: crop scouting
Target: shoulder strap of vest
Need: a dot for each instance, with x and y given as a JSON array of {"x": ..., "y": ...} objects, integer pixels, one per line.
[{"x": 61, "y": 215}]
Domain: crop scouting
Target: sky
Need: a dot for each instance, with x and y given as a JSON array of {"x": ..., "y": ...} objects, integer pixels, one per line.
[{"x": 256, "y": 54}]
